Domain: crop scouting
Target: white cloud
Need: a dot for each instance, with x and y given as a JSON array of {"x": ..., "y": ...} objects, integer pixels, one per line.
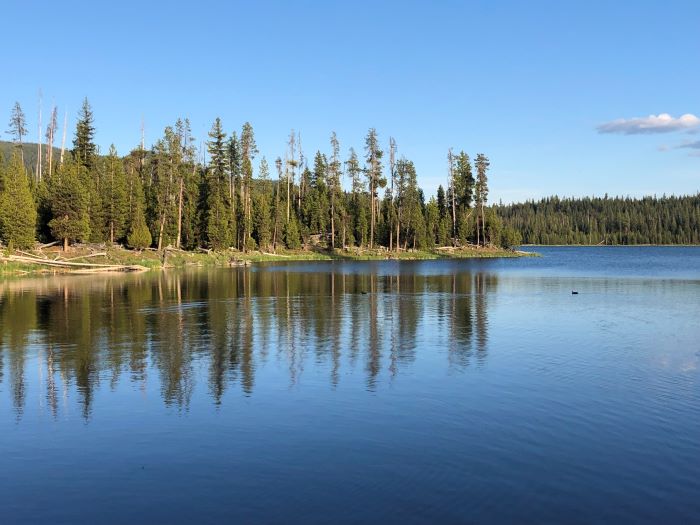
[
  {"x": 663, "y": 123},
  {"x": 691, "y": 145}
]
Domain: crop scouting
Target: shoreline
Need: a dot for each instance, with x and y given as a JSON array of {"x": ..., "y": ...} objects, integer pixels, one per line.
[{"x": 119, "y": 260}]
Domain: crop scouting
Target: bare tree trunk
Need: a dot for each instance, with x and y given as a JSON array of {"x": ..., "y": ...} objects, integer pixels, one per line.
[
  {"x": 160, "y": 232},
  {"x": 179, "y": 214},
  {"x": 51, "y": 137},
  {"x": 63, "y": 140},
  {"x": 483, "y": 224},
  {"x": 39, "y": 155},
  {"x": 344, "y": 228},
  {"x": 398, "y": 229},
  {"x": 477, "y": 228},
  {"x": 301, "y": 168},
  {"x": 454, "y": 202},
  {"x": 333, "y": 220},
  {"x": 371, "y": 203},
  {"x": 392, "y": 166}
]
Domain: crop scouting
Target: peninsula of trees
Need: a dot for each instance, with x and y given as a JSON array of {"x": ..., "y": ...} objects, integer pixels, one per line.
[{"x": 227, "y": 196}]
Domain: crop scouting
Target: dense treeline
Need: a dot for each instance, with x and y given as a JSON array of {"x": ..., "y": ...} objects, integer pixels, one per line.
[
  {"x": 650, "y": 220},
  {"x": 228, "y": 196}
]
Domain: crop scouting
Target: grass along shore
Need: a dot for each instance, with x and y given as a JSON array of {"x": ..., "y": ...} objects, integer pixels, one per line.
[{"x": 98, "y": 259}]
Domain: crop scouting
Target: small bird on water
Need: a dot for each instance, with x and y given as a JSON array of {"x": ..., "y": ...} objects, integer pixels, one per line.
[{"x": 574, "y": 292}]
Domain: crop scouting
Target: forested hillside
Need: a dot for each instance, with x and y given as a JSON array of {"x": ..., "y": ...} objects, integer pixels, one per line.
[
  {"x": 31, "y": 153},
  {"x": 651, "y": 220}
]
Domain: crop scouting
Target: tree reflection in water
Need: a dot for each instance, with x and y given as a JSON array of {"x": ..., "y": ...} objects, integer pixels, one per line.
[{"x": 87, "y": 333}]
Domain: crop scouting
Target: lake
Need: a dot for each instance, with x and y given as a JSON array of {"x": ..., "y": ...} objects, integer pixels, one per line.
[{"x": 440, "y": 391}]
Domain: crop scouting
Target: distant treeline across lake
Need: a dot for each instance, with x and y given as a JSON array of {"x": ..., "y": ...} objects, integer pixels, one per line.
[{"x": 605, "y": 220}]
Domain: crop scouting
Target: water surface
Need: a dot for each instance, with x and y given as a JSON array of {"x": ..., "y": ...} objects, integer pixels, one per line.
[{"x": 410, "y": 392}]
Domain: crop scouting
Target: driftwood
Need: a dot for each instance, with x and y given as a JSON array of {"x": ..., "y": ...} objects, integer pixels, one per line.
[
  {"x": 76, "y": 266},
  {"x": 27, "y": 254},
  {"x": 100, "y": 254}
]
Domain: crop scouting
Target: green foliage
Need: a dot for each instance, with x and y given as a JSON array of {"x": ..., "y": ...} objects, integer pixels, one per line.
[
  {"x": 220, "y": 233},
  {"x": 70, "y": 200},
  {"x": 464, "y": 181},
  {"x": 139, "y": 237},
  {"x": 510, "y": 238},
  {"x": 218, "y": 225},
  {"x": 17, "y": 209},
  {"x": 604, "y": 220},
  {"x": 262, "y": 208},
  {"x": 84, "y": 148},
  {"x": 114, "y": 195},
  {"x": 291, "y": 234}
]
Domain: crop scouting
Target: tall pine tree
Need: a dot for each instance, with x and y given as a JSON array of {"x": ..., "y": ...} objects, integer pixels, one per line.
[
  {"x": 70, "y": 201},
  {"x": 218, "y": 213},
  {"x": 17, "y": 209},
  {"x": 84, "y": 148}
]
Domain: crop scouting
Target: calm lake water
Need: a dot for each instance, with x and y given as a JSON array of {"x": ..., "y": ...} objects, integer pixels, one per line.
[{"x": 346, "y": 392}]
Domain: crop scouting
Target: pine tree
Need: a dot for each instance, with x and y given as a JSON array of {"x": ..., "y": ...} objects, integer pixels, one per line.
[
  {"x": 218, "y": 225},
  {"x": 394, "y": 220},
  {"x": 219, "y": 232},
  {"x": 139, "y": 237},
  {"x": 481, "y": 192},
  {"x": 248, "y": 149},
  {"x": 277, "y": 222},
  {"x": 17, "y": 209},
  {"x": 334, "y": 187},
  {"x": 114, "y": 196},
  {"x": 373, "y": 171},
  {"x": 187, "y": 187},
  {"x": 18, "y": 127},
  {"x": 359, "y": 222},
  {"x": 464, "y": 181},
  {"x": 263, "y": 218},
  {"x": 70, "y": 200},
  {"x": 409, "y": 198},
  {"x": 291, "y": 234},
  {"x": 235, "y": 181},
  {"x": 84, "y": 148}
]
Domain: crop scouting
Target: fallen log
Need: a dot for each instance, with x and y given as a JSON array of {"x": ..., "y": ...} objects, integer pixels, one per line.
[
  {"x": 77, "y": 266},
  {"x": 101, "y": 254}
]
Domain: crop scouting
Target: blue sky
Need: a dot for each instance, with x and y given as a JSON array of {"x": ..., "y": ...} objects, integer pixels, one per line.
[{"x": 531, "y": 84}]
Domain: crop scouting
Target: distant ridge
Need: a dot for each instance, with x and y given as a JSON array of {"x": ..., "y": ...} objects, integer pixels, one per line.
[{"x": 30, "y": 150}]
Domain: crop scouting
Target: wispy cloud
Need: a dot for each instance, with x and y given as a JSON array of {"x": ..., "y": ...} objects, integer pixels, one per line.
[
  {"x": 691, "y": 145},
  {"x": 663, "y": 123}
]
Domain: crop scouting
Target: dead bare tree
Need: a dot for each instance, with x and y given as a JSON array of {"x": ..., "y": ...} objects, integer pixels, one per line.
[
  {"x": 392, "y": 169},
  {"x": 451, "y": 175},
  {"x": 63, "y": 140},
  {"x": 39, "y": 143},
  {"x": 51, "y": 137}
]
